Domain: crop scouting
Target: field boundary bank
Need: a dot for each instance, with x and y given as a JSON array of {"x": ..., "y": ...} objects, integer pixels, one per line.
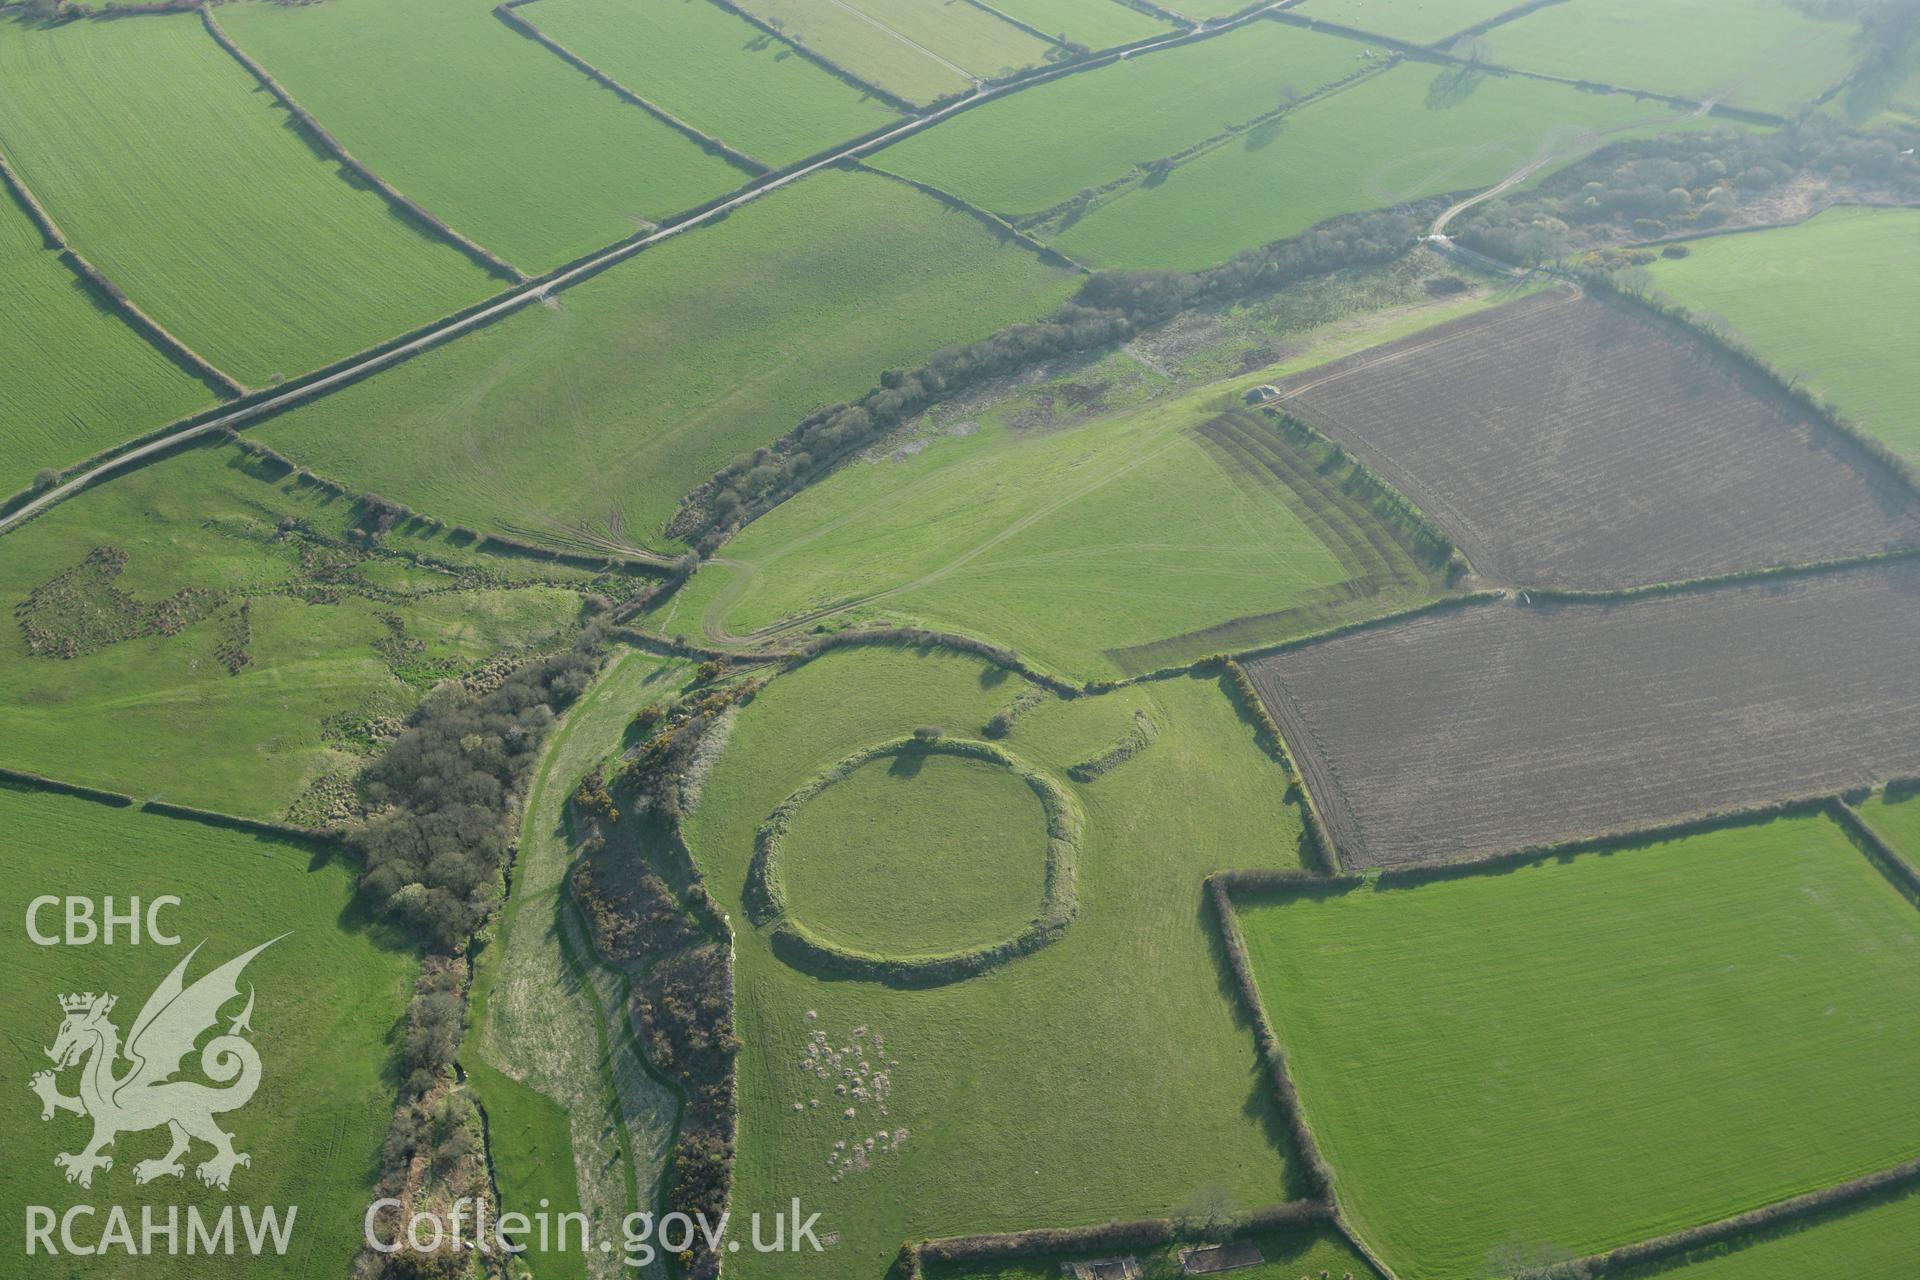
[
  {"x": 103, "y": 287},
  {"x": 1736, "y": 350},
  {"x": 1434, "y": 53},
  {"x": 410, "y": 208},
  {"x": 22, "y": 506},
  {"x": 1892, "y": 863},
  {"x": 1498, "y": 20},
  {"x": 505, "y": 11},
  {"x": 821, "y": 60},
  {"x": 1136, "y": 177},
  {"x": 799, "y": 946},
  {"x": 27, "y": 780},
  {"x": 1660, "y": 1248},
  {"x": 1273, "y": 1052},
  {"x": 994, "y": 223},
  {"x": 1138, "y": 1233},
  {"x": 1053, "y": 40}
]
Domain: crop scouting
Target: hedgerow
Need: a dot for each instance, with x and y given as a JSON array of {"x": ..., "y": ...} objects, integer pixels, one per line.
[{"x": 1111, "y": 307}]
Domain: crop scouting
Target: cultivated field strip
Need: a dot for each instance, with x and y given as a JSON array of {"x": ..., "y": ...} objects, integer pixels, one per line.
[
  {"x": 1571, "y": 442},
  {"x": 1503, "y": 726}
]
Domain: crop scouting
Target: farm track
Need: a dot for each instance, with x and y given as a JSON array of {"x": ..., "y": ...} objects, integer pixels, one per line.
[{"x": 540, "y": 290}]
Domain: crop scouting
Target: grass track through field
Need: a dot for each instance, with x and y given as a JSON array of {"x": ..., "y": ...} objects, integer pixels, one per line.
[{"x": 550, "y": 1018}]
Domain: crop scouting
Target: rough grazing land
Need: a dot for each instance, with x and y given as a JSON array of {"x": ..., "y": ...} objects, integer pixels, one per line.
[
  {"x": 1504, "y": 726},
  {"x": 1574, "y": 443}
]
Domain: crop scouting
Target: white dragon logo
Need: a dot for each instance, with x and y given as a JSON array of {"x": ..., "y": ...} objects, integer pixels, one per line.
[{"x": 147, "y": 1096}]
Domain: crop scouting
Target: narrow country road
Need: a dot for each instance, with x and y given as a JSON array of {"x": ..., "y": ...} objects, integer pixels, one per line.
[{"x": 540, "y": 290}]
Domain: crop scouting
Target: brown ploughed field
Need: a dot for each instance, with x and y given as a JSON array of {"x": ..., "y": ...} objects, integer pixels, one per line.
[
  {"x": 1501, "y": 726},
  {"x": 1567, "y": 441}
]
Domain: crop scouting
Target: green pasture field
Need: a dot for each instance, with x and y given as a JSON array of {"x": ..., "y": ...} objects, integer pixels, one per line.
[
  {"x": 483, "y": 126},
  {"x": 330, "y": 997},
  {"x": 573, "y": 1116},
  {"x": 1897, "y": 819},
  {"x": 1403, "y": 135},
  {"x": 1009, "y": 1083},
  {"x": 917, "y": 855},
  {"x": 717, "y": 72},
  {"x": 962, "y": 34},
  {"x": 166, "y": 164},
  {"x": 1415, "y": 21},
  {"x": 585, "y": 422},
  {"x": 1098, "y": 24},
  {"x": 1830, "y": 299},
  {"x": 1032, "y": 150},
  {"x": 335, "y": 636},
  {"x": 869, "y": 49},
  {"x": 1289, "y": 1255},
  {"x": 1769, "y": 55},
  {"x": 1581, "y": 1053},
  {"x": 1881, "y": 1238},
  {"x": 79, "y": 378},
  {"x": 1104, "y": 542}
]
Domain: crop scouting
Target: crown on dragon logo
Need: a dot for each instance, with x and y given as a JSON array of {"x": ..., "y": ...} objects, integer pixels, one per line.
[{"x": 81, "y": 1003}]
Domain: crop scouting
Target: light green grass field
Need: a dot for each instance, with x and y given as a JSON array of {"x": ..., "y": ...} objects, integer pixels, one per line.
[
  {"x": 1585, "y": 1053},
  {"x": 1409, "y": 133},
  {"x": 167, "y": 165},
  {"x": 716, "y": 71},
  {"x": 918, "y": 855},
  {"x": 573, "y": 1116},
  {"x": 1415, "y": 21},
  {"x": 1897, "y": 820},
  {"x": 863, "y": 40},
  {"x": 1769, "y": 55},
  {"x": 329, "y": 997},
  {"x": 1036, "y": 148},
  {"x": 1009, "y": 1084},
  {"x": 154, "y": 713},
  {"x": 1830, "y": 299},
  {"x": 483, "y": 126},
  {"x": 1098, "y": 24},
  {"x": 1288, "y": 1255},
  {"x": 962, "y": 34},
  {"x": 1103, "y": 544},
  {"x": 586, "y": 421},
  {"x": 1856, "y": 1243},
  {"x": 77, "y": 377}
]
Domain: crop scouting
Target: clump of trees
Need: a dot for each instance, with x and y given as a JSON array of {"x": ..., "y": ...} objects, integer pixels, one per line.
[
  {"x": 1111, "y": 307},
  {"x": 436, "y": 845},
  {"x": 1684, "y": 182}
]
